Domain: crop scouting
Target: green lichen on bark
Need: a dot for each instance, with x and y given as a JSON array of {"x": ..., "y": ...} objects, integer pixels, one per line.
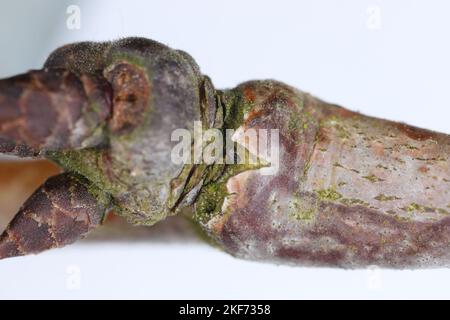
[
  {"x": 212, "y": 195},
  {"x": 414, "y": 207},
  {"x": 383, "y": 197},
  {"x": 89, "y": 164},
  {"x": 354, "y": 202},
  {"x": 329, "y": 195},
  {"x": 303, "y": 215},
  {"x": 301, "y": 210},
  {"x": 373, "y": 178}
]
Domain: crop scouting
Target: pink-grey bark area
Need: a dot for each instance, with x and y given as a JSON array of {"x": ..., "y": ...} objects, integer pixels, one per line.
[{"x": 352, "y": 191}]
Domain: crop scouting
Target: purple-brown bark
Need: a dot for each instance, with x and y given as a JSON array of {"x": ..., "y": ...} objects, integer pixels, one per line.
[
  {"x": 351, "y": 190},
  {"x": 52, "y": 110},
  {"x": 60, "y": 212}
]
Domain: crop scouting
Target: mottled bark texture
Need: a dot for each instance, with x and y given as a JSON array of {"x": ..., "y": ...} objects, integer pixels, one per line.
[
  {"x": 351, "y": 190},
  {"x": 52, "y": 110},
  {"x": 60, "y": 212}
]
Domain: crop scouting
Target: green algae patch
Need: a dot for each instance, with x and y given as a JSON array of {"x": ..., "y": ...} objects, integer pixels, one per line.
[
  {"x": 414, "y": 207},
  {"x": 354, "y": 202},
  {"x": 373, "y": 178},
  {"x": 302, "y": 214},
  {"x": 87, "y": 163},
  {"x": 329, "y": 195},
  {"x": 210, "y": 201},
  {"x": 213, "y": 193},
  {"x": 385, "y": 198}
]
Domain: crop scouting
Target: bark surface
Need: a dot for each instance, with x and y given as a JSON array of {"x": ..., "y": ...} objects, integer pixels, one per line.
[{"x": 351, "y": 191}]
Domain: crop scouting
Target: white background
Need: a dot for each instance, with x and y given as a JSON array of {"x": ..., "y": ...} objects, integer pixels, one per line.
[{"x": 389, "y": 59}]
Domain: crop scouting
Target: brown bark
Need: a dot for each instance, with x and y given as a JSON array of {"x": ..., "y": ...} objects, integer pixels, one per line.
[
  {"x": 51, "y": 110},
  {"x": 63, "y": 210}
]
